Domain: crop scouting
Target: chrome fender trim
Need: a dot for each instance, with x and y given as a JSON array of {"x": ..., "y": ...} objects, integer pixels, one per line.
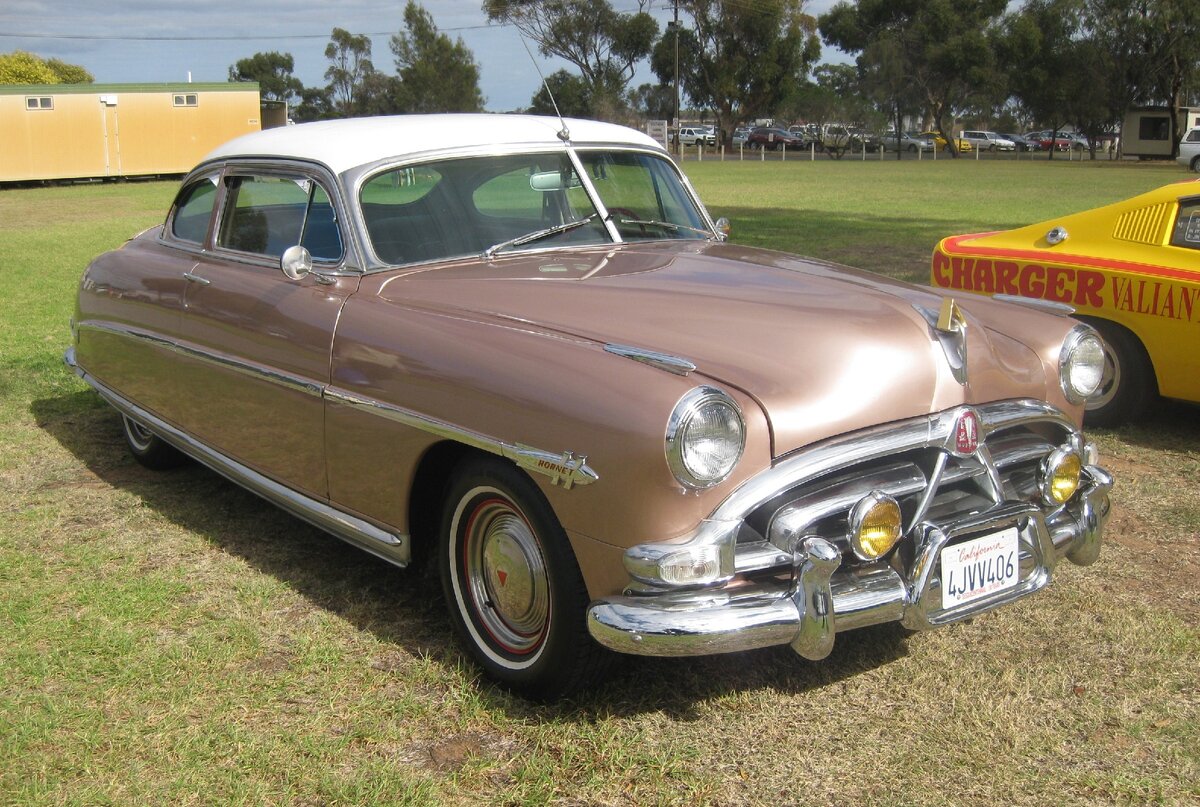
[{"x": 393, "y": 547}]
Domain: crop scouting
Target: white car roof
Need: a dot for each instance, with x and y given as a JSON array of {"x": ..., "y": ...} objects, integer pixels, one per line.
[{"x": 347, "y": 143}]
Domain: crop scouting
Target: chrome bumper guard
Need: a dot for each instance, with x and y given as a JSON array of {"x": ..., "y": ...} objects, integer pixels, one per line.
[{"x": 825, "y": 598}]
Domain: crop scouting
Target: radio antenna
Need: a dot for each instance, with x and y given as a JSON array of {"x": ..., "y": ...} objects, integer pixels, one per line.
[{"x": 565, "y": 134}]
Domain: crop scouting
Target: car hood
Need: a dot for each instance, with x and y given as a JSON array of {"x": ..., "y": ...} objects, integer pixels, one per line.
[{"x": 824, "y": 349}]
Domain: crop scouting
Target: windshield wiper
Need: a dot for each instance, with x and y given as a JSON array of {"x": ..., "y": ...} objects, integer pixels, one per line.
[
  {"x": 537, "y": 235},
  {"x": 670, "y": 225}
]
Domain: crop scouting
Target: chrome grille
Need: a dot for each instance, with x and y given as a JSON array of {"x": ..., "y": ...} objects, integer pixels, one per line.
[{"x": 932, "y": 483}]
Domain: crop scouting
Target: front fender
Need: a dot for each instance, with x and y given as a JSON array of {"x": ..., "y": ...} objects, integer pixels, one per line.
[{"x": 405, "y": 378}]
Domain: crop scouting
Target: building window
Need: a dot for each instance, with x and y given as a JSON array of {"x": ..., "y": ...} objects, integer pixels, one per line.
[
  {"x": 39, "y": 102},
  {"x": 1154, "y": 128},
  {"x": 185, "y": 99}
]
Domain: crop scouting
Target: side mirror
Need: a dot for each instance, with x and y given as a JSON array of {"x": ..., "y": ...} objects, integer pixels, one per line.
[
  {"x": 723, "y": 227},
  {"x": 296, "y": 262}
]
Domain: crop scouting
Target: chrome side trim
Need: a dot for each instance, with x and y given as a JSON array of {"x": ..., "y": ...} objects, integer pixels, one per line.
[
  {"x": 566, "y": 468},
  {"x": 295, "y": 383},
  {"x": 391, "y": 546},
  {"x": 663, "y": 361}
]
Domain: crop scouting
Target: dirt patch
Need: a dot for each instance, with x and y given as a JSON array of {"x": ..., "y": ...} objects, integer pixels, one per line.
[{"x": 1164, "y": 576}]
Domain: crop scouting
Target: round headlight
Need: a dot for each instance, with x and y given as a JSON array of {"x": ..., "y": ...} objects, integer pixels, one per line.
[
  {"x": 1081, "y": 364},
  {"x": 1060, "y": 475},
  {"x": 874, "y": 525},
  {"x": 705, "y": 437}
]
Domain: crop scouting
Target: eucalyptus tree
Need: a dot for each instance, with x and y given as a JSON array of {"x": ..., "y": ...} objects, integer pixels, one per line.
[
  {"x": 349, "y": 68},
  {"x": 741, "y": 60},
  {"x": 436, "y": 74},
  {"x": 21, "y": 67},
  {"x": 1151, "y": 45},
  {"x": 273, "y": 72},
  {"x": 944, "y": 48},
  {"x": 604, "y": 44}
]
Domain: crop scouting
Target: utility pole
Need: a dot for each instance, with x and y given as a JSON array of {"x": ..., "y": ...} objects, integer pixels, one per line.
[{"x": 675, "y": 26}]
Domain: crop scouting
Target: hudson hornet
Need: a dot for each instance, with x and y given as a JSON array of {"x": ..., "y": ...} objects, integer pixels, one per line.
[{"x": 537, "y": 363}]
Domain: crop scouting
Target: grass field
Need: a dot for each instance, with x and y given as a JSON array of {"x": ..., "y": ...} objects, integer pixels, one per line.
[{"x": 169, "y": 638}]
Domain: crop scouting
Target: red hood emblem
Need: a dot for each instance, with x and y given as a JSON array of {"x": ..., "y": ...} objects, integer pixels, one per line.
[
  {"x": 966, "y": 433},
  {"x": 503, "y": 575}
]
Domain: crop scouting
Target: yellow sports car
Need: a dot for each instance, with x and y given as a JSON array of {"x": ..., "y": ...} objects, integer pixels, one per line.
[
  {"x": 1130, "y": 269},
  {"x": 939, "y": 142}
]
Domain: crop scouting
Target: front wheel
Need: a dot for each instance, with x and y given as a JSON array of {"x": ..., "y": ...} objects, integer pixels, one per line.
[
  {"x": 1128, "y": 385},
  {"x": 515, "y": 594},
  {"x": 148, "y": 448}
]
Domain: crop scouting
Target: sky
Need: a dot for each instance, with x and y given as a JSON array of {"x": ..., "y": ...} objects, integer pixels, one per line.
[{"x": 135, "y": 41}]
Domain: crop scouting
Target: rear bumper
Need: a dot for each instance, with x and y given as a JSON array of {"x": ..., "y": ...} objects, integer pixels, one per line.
[{"x": 823, "y": 598}]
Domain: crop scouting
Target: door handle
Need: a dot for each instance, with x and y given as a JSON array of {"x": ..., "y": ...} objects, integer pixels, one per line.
[{"x": 197, "y": 279}]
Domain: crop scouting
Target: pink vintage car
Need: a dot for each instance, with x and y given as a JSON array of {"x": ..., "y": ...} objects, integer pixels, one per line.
[{"x": 536, "y": 361}]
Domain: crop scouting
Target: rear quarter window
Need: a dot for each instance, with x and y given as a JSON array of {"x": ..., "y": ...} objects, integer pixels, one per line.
[{"x": 1187, "y": 225}]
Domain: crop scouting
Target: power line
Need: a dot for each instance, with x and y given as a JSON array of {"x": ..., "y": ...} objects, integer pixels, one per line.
[{"x": 219, "y": 37}]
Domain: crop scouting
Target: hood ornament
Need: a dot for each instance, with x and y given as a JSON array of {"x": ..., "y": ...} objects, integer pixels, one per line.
[{"x": 949, "y": 328}]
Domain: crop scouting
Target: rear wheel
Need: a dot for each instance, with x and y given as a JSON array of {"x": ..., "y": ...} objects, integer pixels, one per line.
[
  {"x": 1128, "y": 385},
  {"x": 148, "y": 448},
  {"x": 515, "y": 594},
  {"x": 1196, "y": 163}
]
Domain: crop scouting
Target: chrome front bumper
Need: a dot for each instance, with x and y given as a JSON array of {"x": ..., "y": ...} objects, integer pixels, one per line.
[{"x": 823, "y": 598}]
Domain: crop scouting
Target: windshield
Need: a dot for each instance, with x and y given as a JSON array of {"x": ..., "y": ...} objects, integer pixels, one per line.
[
  {"x": 487, "y": 205},
  {"x": 644, "y": 196}
]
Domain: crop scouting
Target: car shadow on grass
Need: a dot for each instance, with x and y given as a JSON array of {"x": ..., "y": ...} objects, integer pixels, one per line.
[
  {"x": 1166, "y": 425},
  {"x": 403, "y": 607}
]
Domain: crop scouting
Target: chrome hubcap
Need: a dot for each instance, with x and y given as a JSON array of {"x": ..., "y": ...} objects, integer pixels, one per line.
[{"x": 507, "y": 576}]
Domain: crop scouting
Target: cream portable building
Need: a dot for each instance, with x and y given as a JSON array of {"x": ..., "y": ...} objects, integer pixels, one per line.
[{"x": 74, "y": 131}]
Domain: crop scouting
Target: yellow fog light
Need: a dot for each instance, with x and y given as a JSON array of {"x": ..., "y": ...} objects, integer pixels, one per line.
[
  {"x": 874, "y": 525},
  {"x": 1060, "y": 475}
]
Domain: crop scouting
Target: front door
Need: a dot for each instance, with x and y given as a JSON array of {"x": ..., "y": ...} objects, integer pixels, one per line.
[{"x": 257, "y": 342}]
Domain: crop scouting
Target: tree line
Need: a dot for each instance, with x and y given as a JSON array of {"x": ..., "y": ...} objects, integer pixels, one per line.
[{"x": 1082, "y": 63}]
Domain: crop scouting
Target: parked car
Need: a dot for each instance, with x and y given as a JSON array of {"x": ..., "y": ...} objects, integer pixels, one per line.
[
  {"x": 693, "y": 135},
  {"x": 1023, "y": 143},
  {"x": 988, "y": 141},
  {"x": 530, "y": 356},
  {"x": 940, "y": 143},
  {"x": 1048, "y": 139},
  {"x": 772, "y": 138},
  {"x": 1189, "y": 150},
  {"x": 1131, "y": 270},
  {"x": 740, "y": 135},
  {"x": 906, "y": 141},
  {"x": 811, "y": 132}
]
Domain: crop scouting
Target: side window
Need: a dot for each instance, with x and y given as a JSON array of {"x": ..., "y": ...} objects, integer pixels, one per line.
[
  {"x": 400, "y": 213},
  {"x": 193, "y": 209},
  {"x": 1187, "y": 225},
  {"x": 1193, "y": 136},
  {"x": 266, "y": 214}
]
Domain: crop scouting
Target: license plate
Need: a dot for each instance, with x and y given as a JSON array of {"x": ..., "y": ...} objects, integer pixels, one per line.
[{"x": 979, "y": 567}]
